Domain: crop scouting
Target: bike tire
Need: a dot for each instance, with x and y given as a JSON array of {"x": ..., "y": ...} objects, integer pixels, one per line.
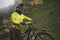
[{"x": 41, "y": 35}]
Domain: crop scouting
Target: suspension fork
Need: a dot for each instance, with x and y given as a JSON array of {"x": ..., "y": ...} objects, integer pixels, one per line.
[
  {"x": 29, "y": 31},
  {"x": 36, "y": 35}
]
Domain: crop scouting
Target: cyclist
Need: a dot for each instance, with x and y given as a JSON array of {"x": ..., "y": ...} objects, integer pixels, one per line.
[{"x": 17, "y": 18}]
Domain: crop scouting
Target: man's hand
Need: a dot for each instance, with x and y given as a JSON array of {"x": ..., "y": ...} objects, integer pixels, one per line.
[
  {"x": 24, "y": 23},
  {"x": 32, "y": 21}
]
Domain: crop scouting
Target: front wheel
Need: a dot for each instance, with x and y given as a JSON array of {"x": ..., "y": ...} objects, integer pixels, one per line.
[{"x": 43, "y": 36}]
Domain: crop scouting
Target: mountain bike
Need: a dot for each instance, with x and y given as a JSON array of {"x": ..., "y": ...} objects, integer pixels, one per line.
[{"x": 32, "y": 34}]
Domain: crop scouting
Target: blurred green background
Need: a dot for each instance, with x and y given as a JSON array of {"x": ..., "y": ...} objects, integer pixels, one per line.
[{"x": 45, "y": 15}]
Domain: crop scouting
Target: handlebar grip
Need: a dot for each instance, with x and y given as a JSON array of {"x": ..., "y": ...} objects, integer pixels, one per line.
[
  {"x": 31, "y": 22},
  {"x": 23, "y": 23}
]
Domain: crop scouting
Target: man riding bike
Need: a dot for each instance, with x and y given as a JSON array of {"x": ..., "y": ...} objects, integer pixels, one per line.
[{"x": 17, "y": 19}]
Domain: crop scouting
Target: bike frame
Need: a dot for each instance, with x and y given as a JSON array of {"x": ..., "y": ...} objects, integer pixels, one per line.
[
  {"x": 36, "y": 33},
  {"x": 28, "y": 31}
]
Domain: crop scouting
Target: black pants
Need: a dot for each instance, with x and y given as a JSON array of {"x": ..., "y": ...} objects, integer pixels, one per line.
[{"x": 15, "y": 34}]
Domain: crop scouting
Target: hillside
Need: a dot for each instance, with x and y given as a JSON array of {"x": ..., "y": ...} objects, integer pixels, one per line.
[{"x": 45, "y": 15}]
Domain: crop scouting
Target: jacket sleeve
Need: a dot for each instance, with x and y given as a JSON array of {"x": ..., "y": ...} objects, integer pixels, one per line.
[
  {"x": 13, "y": 18},
  {"x": 27, "y": 18}
]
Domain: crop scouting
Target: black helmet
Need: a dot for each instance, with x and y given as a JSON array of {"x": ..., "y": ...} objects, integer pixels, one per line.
[{"x": 19, "y": 8}]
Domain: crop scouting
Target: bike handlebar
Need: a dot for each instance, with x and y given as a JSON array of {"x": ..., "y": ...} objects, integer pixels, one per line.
[{"x": 26, "y": 23}]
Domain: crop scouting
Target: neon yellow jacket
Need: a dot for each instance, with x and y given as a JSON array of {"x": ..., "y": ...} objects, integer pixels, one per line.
[{"x": 17, "y": 19}]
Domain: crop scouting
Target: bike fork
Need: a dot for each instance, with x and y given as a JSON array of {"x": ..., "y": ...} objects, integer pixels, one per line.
[{"x": 38, "y": 37}]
